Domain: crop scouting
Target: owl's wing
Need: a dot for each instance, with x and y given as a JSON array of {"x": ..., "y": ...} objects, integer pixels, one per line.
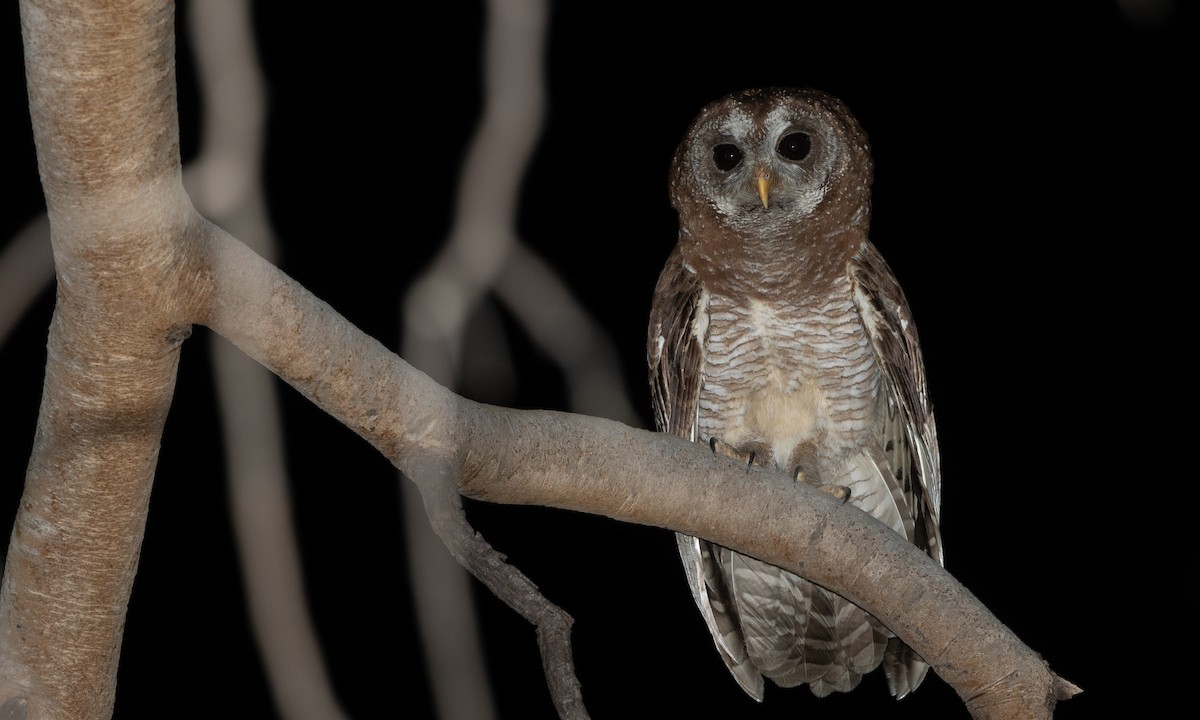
[
  {"x": 909, "y": 435},
  {"x": 674, "y": 352}
]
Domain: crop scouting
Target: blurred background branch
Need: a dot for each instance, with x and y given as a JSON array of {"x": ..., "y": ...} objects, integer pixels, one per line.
[
  {"x": 484, "y": 261},
  {"x": 225, "y": 183}
]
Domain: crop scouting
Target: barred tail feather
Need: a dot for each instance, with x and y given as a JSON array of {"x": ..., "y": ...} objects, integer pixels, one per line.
[{"x": 903, "y": 668}]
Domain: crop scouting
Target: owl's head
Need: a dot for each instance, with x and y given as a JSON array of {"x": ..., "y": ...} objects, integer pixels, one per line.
[{"x": 771, "y": 157}]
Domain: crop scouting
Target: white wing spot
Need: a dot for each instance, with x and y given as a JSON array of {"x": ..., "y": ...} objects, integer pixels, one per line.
[{"x": 700, "y": 322}]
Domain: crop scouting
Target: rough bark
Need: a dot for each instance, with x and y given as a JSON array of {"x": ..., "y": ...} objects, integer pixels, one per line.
[{"x": 102, "y": 100}]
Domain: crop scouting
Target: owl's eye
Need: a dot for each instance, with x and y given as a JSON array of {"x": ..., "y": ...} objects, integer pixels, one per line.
[
  {"x": 726, "y": 156},
  {"x": 795, "y": 146}
]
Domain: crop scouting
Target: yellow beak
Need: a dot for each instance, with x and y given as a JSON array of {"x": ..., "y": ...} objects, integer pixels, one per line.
[{"x": 764, "y": 186}]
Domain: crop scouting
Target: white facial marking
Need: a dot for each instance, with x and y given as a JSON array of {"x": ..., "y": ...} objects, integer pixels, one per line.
[
  {"x": 777, "y": 121},
  {"x": 738, "y": 125}
]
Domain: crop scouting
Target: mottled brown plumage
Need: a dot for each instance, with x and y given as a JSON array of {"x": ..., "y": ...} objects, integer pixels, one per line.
[{"x": 779, "y": 335}]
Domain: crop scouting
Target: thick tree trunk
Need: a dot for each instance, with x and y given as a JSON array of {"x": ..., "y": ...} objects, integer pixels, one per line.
[{"x": 102, "y": 98}]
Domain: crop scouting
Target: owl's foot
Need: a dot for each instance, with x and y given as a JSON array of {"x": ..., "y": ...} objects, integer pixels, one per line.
[
  {"x": 841, "y": 492},
  {"x": 752, "y": 454}
]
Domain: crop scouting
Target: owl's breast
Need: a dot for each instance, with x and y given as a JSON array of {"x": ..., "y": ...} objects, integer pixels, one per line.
[{"x": 797, "y": 378}]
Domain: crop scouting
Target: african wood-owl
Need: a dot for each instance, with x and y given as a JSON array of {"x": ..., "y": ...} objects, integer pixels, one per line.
[{"x": 779, "y": 336}]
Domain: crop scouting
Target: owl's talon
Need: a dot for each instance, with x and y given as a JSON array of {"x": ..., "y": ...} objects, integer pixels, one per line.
[
  {"x": 748, "y": 454},
  {"x": 841, "y": 492}
]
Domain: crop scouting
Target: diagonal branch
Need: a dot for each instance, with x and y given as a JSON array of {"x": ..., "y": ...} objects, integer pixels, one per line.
[{"x": 568, "y": 461}]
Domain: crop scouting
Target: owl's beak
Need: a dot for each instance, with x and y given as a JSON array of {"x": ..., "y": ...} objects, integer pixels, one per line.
[{"x": 764, "y": 185}]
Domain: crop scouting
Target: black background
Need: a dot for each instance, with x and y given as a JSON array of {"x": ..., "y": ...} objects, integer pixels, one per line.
[{"x": 1035, "y": 170}]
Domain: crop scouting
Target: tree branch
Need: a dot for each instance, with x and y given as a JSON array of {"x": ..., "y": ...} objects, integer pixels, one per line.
[{"x": 568, "y": 461}]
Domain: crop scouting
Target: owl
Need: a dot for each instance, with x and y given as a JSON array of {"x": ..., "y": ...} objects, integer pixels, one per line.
[{"x": 780, "y": 337}]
